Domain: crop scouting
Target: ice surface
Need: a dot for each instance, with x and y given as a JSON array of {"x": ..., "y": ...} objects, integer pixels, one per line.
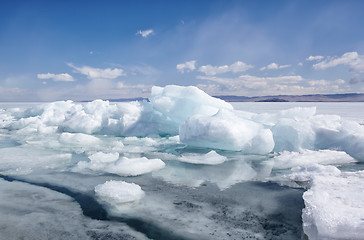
[
  {"x": 189, "y": 142},
  {"x": 37, "y": 213},
  {"x": 306, "y": 158},
  {"x": 334, "y": 207},
  {"x": 224, "y": 175},
  {"x": 305, "y": 174},
  {"x": 26, "y": 159},
  {"x": 115, "y": 194}
]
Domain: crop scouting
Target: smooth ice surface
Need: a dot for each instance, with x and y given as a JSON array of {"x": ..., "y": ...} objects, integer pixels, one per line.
[
  {"x": 334, "y": 207},
  {"x": 306, "y": 158},
  {"x": 115, "y": 194}
]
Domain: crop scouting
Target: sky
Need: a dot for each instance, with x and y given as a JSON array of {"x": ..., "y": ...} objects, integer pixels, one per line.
[{"x": 85, "y": 50}]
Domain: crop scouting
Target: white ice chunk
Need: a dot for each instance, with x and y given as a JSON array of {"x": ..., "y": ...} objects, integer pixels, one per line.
[
  {"x": 116, "y": 194},
  {"x": 101, "y": 157},
  {"x": 347, "y": 136},
  {"x": 210, "y": 158},
  {"x": 226, "y": 131},
  {"x": 79, "y": 139},
  {"x": 110, "y": 163},
  {"x": 335, "y": 207},
  {"x": 292, "y": 134},
  {"x": 305, "y": 158},
  {"x": 179, "y": 103},
  {"x": 134, "y": 166}
]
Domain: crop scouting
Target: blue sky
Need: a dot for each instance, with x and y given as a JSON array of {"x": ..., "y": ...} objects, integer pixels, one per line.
[{"x": 81, "y": 50}]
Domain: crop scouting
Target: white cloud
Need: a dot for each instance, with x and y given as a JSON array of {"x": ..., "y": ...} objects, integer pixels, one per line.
[
  {"x": 98, "y": 73},
  {"x": 252, "y": 82},
  {"x": 145, "y": 33},
  {"x": 235, "y": 68},
  {"x": 314, "y": 58},
  {"x": 248, "y": 85},
  {"x": 315, "y": 83},
  {"x": 300, "y": 64},
  {"x": 352, "y": 59},
  {"x": 188, "y": 66},
  {"x": 63, "y": 77},
  {"x": 274, "y": 66}
]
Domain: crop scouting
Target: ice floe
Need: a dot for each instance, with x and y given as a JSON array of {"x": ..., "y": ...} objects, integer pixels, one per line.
[{"x": 115, "y": 194}]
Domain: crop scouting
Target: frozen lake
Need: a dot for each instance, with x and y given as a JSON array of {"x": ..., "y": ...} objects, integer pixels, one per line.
[
  {"x": 184, "y": 166},
  {"x": 348, "y": 110}
]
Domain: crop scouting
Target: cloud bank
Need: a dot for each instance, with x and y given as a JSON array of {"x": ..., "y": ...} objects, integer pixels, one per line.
[
  {"x": 63, "y": 77},
  {"x": 352, "y": 59},
  {"x": 234, "y": 68}
]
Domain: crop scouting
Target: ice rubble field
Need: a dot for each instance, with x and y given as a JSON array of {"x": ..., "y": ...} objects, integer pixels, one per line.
[{"x": 183, "y": 126}]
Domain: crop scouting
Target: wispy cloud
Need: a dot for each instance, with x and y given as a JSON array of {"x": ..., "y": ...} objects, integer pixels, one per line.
[
  {"x": 145, "y": 33},
  {"x": 187, "y": 66},
  {"x": 274, "y": 66},
  {"x": 314, "y": 58},
  {"x": 98, "y": 73},
  {"x": 63, "y": 77},
  {"x": 235, "y": 68},
  {"x": 352, "y": 59}
]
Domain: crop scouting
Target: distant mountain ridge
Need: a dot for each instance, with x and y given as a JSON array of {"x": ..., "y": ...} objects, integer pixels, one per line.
[{"x": 345, "y": 97}]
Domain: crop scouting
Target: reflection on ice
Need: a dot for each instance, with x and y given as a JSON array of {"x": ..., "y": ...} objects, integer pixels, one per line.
[{"x": 224, "y": 175}]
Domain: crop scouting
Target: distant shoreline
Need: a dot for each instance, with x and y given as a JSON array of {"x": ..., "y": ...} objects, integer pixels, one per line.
[{"x": 346, "y": 97}]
